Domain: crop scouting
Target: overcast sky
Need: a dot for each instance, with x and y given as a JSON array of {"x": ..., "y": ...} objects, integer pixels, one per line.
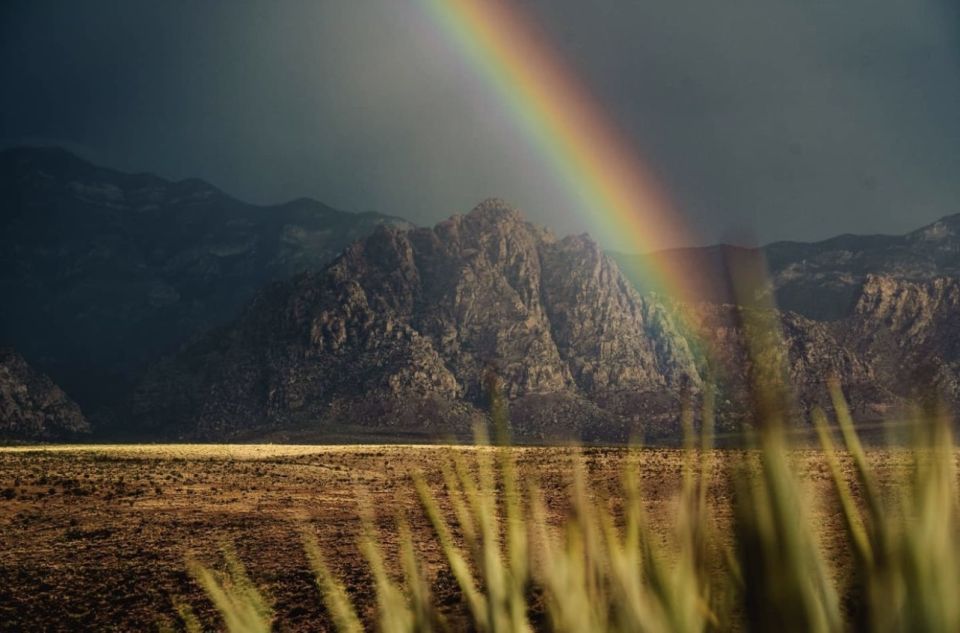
[{"x": 784, "y": 119}]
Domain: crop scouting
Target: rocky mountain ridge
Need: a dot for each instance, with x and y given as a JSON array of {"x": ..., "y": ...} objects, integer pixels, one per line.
[
  {"x": 405, "y": 330},
  {"x": 820, "y": 280},
  {"x": 103, "y": 272}
]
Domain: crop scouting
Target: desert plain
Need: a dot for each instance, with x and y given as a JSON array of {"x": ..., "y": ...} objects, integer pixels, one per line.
[{"x": 97, "y": 537}]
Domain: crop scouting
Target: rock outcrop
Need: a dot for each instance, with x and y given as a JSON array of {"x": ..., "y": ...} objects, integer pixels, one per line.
[
  {"x": 908, "y": 334},
  {"x": 404, "y": 330},
  {"x": 820, "y": 280},
  {"x": 298, "y": 317},
  {"x": 403, "y": 333},
  {"x": 32, "y": 407}
]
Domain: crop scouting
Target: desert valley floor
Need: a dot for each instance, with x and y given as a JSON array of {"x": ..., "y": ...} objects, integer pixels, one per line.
[{"x": 97, "y": 537}]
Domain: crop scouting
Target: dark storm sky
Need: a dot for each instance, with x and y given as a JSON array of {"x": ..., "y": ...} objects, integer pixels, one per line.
[{"x": 786, "y": 119}]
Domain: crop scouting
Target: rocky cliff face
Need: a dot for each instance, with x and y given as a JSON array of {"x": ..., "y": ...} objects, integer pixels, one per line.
[
  {"x": 404, "y": 330},
  {"x": 821, "y": 280},
  {"x": 908, "y": 333},
  {"x": 101, "y": 272},
  {"x": 32, "y": 408},
  {"x": 899, "y": 346}
]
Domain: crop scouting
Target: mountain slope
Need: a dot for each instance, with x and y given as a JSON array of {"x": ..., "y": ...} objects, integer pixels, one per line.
[
  {"x": 32, "y": 407},
  {"x": 820, "y": 280},
  {"x": 908, "y": 333},
  {"x": 101, "y": 272},
  {"x": 823, "y": 279},
  {"x": 404, "y": 331}
]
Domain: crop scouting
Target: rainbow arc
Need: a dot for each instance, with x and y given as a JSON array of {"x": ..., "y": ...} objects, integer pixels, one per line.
[{"x": 574, "y": 134}]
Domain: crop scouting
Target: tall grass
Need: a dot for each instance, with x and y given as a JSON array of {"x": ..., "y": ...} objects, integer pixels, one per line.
[{"x": 518, "y": 568}]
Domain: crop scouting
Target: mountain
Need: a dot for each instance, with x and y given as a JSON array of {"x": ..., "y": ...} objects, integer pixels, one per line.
[
  {"x": 103, "y": 272},
  {"x": 820, "y": 280},
  {"x": 32, "y": 407},
  {"x": 171, "y": 310},
  {"x": 823, "y": 279},
  {"x": 908, "y": 334},
  {"x": 404, "y": 331}
]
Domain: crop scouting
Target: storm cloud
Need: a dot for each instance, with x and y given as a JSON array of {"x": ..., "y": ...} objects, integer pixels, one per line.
[{"x": 794, "y": 120}]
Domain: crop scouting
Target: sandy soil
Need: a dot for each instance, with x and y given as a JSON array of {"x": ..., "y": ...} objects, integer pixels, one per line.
[{"x": 96, "y": 537}]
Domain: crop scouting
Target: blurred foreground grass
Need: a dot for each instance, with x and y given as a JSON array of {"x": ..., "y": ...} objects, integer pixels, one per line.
[{"x": 598, "y": 570}]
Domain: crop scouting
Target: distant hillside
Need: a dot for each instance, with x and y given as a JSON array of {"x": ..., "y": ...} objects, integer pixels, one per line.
[
  {"x": 821, "y": 280},
  {"x": 102, "y": 272},
  {"x": 32, "y": 407},
  {"x": 171, "y": 310}
]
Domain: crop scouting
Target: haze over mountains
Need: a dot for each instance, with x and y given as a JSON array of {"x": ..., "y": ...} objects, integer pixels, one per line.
[
  {"x": 171, "y": 310},
  {"x": 102, "y": 272}
]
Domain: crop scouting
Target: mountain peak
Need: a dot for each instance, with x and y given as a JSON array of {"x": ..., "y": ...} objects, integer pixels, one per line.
[
  {"x": 946, "y": 227},
  {"x": 493, "y": 218},
  {"x": 495, "y": 208},
  {"x": 46, "y": 157},
  {"x": 405, "y": 330}
]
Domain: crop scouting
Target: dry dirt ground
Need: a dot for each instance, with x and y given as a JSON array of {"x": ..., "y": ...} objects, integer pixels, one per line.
[{"x": 97, "y": 537}]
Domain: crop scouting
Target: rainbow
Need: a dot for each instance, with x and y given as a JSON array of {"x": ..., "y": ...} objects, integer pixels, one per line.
[{"x": 615, "y": 190}]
